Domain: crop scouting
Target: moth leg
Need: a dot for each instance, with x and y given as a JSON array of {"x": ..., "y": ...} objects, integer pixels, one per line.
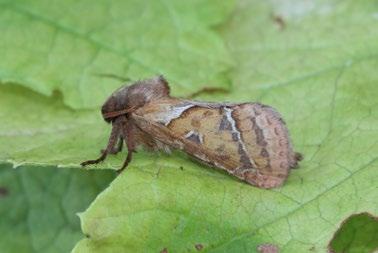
[
  {"x": 128, "y": 132},
  {"x": 126, "y": 162},
  {"x": 116, "y": 149},
  {"x": 119, "y": 147},
  {"x": 112, "y": 141}
]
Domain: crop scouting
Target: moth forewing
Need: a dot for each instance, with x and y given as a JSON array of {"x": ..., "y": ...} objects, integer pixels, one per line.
[{"x": 250, "y": 140}]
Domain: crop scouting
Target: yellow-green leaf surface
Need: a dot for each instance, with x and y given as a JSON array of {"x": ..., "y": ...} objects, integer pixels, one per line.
[
  {"x": 38, "y": 206},
  {"x": 72, "y": 46},
  {"x": 316, "y": 62}
]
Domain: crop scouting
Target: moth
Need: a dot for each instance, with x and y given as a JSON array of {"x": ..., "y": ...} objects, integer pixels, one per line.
[{"x": 248, "y": 140}]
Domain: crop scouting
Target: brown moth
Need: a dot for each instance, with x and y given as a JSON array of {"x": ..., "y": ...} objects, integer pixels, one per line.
[{"x": 248, "y": 140}]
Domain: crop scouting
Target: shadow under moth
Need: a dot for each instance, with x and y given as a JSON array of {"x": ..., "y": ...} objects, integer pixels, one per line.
[{"x": 248, "y": 140}]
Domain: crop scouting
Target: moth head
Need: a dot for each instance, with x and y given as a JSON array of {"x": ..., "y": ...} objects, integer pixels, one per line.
[{"x": 128, "y": 98}]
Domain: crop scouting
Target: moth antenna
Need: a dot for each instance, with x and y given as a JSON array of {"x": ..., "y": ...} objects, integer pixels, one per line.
[{"x": 118, "y": 113}]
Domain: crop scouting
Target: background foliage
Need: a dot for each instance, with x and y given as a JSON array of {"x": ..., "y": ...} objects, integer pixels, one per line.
[{"x": 315, "y": 61}]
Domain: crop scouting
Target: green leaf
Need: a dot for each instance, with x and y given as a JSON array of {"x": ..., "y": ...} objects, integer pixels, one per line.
[
  {"x": 68, "y": 45},
  {"x": 319, "y": 71},
  {"x": 359, "y": 234},
  {"x": 38, "y": 206},
  {"x": 40, "y": 130}
]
